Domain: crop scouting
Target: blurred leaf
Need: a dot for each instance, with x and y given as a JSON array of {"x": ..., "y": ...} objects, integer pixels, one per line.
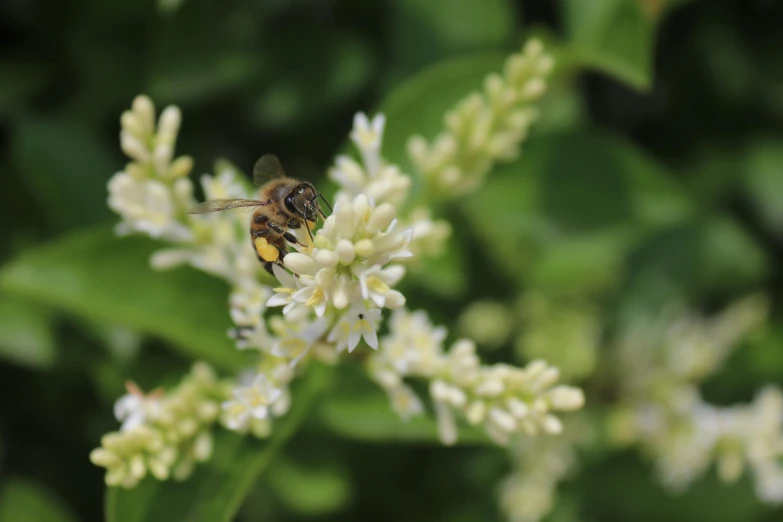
[
  {"x": 712, "y": 256},
  {"x": 106, "y": 278},
  {"x": 19, "y": 80},
  {"x": 66, "y": 167},
  {"x": 762, "y": 173},
  {"x": 370, "y": 418},
  {"x": 25, "y": 501},
  {"x": 571, "y": 207},
  {"x": 26, "y": 335},
  {"x": 191, "y": 81},
  {"x": 305, "y": 89},
  {"x": 309, "y": 490},
  {"x": 425, "y": 32},
  {"x": 443, "y": 274},
  {"x": 215, "y": 491},
  {"x": 582, "y": 263},
  {"x": 615, "y": 36},
  {"x": 202, "y": 52},
  {"x": 645, "y": 500}
]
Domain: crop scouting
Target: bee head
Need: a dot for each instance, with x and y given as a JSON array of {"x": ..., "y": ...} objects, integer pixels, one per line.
[{"x": 302, "y": 202}]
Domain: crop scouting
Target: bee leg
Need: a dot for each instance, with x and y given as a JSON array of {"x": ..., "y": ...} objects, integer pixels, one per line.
[
  {"x": 286, "y": 235},
  {"x": 268, "y": 254}
]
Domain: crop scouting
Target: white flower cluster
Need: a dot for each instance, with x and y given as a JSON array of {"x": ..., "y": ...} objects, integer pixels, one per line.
[
  {"x": 153, "y": 190},
  {"x": 332, "y": 291},
  {"x": 382, "y": 182},
  {"x": 528, "y": 493},
  {"x": 347, "y": 263},
  {"x": 504, "y": 399},
  {"x": 485, "y": 127},
  {"x": 736, "y": 438},
  {"x": 163, "y": 435},
  {"x": 660, "y": 368}
]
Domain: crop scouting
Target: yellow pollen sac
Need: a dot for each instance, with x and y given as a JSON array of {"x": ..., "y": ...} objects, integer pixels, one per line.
[
  {"x": 265, "y": 250},
  {"x": 310, "y": 224}
]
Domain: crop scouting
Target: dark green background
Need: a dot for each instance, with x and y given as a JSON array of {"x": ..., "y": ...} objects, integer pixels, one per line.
[{"x": 659, "y": 157}]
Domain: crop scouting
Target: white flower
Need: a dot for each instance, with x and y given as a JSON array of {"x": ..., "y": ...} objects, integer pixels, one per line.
[
  {"x": 134, "y": 408},
  {"x": 314, "y": 291},
  {"x": 367, "y": 136},
  {"x": 413, "y": 345},
  {"x": 296, "y": 344},
  {"x": 405, "y": 402},
  {"x": 225, "y": 185},
  {"x": 145, "y": 206},
  {"x": 356, "y": 324},
  {"x": 247, "y": 303},
  {"x": 284, "y": 294},
  {"x": 259, "y": 396},
  {"x": 376, "y": 283},
  {"x": 236, "y": 414}
]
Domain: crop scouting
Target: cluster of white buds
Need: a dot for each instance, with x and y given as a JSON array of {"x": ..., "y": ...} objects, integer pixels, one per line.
[
  {"x": 346, "y": 271},
  {"x": 736, "y": 438},
  {"x": 659, "y": 370},
  {"x": 152, "y": 191},
  {"x": 153, "y": 194},
  {"x": 485, "y": 127},
  {"x": 567, "y": 331},
  {"x": 384, "y": 183},
  {"x": 162, "y": 434},
  {"x": 528, "y": 493},
  {"x": 504, "y": 399}
]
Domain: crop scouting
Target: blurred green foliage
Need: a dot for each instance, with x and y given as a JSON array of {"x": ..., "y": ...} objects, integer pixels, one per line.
[{"x": 658, "y": 157}]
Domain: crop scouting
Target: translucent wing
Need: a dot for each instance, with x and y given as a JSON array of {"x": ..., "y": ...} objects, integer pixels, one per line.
[
  {"x": 266, "y": 168},
  {"x": 216, "y": 205}
]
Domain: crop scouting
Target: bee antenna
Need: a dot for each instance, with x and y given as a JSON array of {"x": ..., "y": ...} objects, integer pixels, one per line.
[{"x": 325, "y": 202}]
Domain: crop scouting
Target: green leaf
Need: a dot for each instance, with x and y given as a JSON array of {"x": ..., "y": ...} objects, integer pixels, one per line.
[
  {"x": 19, "y": 81},
  {"x": 715, "y": 255},
  {"x": 443, "y": 274},
  {"x": 763, "y": 178},
  {"x": 302, "y": 96},
  {"x": 646, "y": 500},
  {"x": 569, "y": 210},
  {"x": 615, "y": 36},
  {"x": 215, "y": 491},
  {"x": 105, "y": 278},
  {"x": 26, "y": 335},
  {"x": 25, "y": 501},
  {"x": 310, "y": 490},
  {"x": 583, "y": 263},
  {"x": 425, "y": 32},
  {"x": 368, "y": 417},
  {"x": 74, "y": 168}
]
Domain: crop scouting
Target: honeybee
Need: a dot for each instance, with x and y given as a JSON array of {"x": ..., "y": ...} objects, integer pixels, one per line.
[{"x": 284, "y": 203}]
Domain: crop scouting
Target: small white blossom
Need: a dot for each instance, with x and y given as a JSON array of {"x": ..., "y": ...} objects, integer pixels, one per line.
[
  {"x": 357, "y": 323},
  {"x": 367, "y": 136},
  {"x": 295, "y": 344},
  {"x": 259, "y": 396},
  {"x": 134, "y": 408}
]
